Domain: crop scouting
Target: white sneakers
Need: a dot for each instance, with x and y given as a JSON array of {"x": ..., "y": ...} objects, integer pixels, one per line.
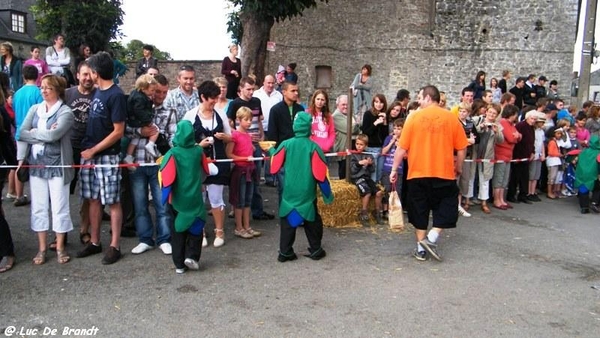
[
  {"x": 166, "y": 248},
  {"x": 463, "y": 212},
  {"x": 143, "y": 247},
  {"x": 191, "y": 264},
  {"x": 204, "y": 242}
]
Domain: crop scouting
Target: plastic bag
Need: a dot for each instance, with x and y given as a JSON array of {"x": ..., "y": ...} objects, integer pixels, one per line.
[{"x": 395, "y": 214}]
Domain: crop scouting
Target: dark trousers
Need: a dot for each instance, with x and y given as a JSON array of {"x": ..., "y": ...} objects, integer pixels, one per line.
[
  {"x": 7, "y": 247},
  {"x": 127, "y": 200},
  {"x": 313, "y": 231},
  {"x": 184, "y": 245},
  {"x": 584, "y": 198},
  {"x": 342, "y": 169},
  {"x": 519, "y": 177}
]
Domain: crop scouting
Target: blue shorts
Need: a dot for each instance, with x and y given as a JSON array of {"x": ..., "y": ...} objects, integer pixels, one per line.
[{"x": 101, "y": 183}]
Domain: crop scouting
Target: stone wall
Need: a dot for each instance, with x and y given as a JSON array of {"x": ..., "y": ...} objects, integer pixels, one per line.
[
  {"x": 411, "y": 43},
  {"x": 205, "y": 70}
]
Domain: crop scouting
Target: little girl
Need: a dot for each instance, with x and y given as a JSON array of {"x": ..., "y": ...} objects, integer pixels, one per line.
[
  {"x": 140, "y": 114},
  {"x": 554, "y": 162},
  {"x": 240, "y": 149},
  {"x": 38, "y": 63}
]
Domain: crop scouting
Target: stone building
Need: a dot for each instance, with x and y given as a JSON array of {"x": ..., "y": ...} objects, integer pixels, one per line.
[
  {"x": 17, "y": 26},
  {"x": 411, "y": 43}
]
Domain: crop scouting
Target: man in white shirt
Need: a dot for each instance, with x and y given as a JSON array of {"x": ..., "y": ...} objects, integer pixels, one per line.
[{"x": 268, "y": 98}]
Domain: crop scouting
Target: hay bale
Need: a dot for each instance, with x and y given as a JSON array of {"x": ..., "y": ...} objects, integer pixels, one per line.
[{"x": 343, "y": 212}]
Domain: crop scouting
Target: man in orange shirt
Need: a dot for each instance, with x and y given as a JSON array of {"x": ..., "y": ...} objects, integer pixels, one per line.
[{"x": 431, "y": 138}]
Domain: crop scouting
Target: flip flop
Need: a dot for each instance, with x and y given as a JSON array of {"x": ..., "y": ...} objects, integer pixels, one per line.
[
  {"x": 40, "y": 258},
  {"x": 7, "y": 263},
  {"x": 501, "y": 207}
]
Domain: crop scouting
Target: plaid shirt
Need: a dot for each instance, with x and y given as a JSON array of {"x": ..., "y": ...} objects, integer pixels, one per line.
[
  {"x": 177, "y": 100},
  {"x": 165, "y": 126}
]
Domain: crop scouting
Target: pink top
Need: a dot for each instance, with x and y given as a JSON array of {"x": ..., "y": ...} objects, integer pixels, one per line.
[
  {"x": 323, "y": 132},
  {"x": 41, "y": 66},
  {"x": 583, "y": 134},
  {"x": 504, "y": 151},
  {"x": 242, "y": 146}
]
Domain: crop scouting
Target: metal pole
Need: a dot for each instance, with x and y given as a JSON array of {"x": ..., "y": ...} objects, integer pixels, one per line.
[
  {"x": 349, "y": 116},
  {"x": 587, "y": 51}
]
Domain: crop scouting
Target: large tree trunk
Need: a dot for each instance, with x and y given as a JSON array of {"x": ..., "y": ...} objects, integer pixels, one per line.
[{"x": 254, "y": 44}]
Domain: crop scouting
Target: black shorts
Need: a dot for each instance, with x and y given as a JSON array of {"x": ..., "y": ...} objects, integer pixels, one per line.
[
  {"x": 366, "y": 186},
  {"x": 435, "y": 195}
]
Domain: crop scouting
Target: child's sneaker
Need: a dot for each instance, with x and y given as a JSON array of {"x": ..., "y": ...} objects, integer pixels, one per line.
[
  {"x": 129, "y": 160},
  {"x": 363, "y": 217},
  {"x": 379, "y": 217},
  {"x": 151, "y": 149}
]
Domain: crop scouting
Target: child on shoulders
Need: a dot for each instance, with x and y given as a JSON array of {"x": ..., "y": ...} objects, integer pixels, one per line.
[{"x": 140, "y": 113}]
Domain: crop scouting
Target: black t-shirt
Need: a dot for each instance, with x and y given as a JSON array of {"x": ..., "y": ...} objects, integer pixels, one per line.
[{"x": 254, "y": 105}]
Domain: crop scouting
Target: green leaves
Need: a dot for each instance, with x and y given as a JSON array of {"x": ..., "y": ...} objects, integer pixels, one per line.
[{"x": 93, "y": 22}]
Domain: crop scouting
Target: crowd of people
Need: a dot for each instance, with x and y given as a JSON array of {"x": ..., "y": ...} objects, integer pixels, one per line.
[{"x": 496, "y": 147}]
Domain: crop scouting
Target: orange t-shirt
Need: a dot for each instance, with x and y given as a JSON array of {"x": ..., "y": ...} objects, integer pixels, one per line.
[{"x": 430, "y": 137}]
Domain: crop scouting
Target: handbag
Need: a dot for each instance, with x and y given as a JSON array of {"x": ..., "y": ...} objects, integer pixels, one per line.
[
  {"x": 23, "y": 172},
  {"x": 395, "y": 214},
  {"x": 162, "y": 142}
]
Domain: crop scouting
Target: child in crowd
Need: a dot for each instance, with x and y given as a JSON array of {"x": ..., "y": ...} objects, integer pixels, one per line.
[
  {"x": 241, "y": 186},
  {"x": 582, "y": 133},
  {"x": 182, "y": 171},
  {"x": 140, "y": 114},
  {"x": 38, "y": 63},
  {"x": 388, "y": 151},
  {"x": 362, "y": 167},
  {"x": 571, "y": 163},
  {"x": 564, "y": 145},
  {"x": 535, "y": 166},
  {"x": 554, "y": 163}
]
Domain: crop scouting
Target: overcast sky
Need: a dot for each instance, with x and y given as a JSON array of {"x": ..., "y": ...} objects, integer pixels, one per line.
[
  {"x": 197, "y": 30},
  {"x": 187, "y": 29}
]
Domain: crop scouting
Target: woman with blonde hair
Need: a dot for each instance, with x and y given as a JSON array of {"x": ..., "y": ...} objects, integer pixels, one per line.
[
  {"x": 231, "y": 68},
  {"x": 46, "y": 137}
]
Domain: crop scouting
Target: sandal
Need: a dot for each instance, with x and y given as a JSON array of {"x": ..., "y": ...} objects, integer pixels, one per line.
[
  {"x": 7, "y": 263},
  {"x": 85, "y": 238},
  {"x": 243, "y": 234},
  {"x": 254, "y": 233},
  {"x": 52, "y": 245},
  {"x": 40, "y": 258},
  {"x": 62, "y": 256}
]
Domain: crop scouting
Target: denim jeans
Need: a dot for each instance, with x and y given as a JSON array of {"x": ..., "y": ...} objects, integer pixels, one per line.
[
  {"x": 256, "y": 206},
  {"x": 140, "y": 179}
]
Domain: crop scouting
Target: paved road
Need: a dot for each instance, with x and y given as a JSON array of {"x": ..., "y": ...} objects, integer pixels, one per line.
[{"x": 528, "y": 272}]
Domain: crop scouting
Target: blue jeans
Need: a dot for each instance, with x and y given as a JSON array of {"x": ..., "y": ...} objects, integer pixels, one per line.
[
  {"x": 256, "y": 206},
  {"x": 140, "y": 179},
  {"x": 377, "y": 162}
]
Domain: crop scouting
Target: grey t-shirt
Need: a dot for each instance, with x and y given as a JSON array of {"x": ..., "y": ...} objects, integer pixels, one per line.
[{"x": 80, "y": 104}]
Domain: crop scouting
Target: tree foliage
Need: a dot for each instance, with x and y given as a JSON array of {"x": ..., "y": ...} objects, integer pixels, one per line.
[
  {"x": 268, "y": 10},
  {"x": 93, "y": 22},
  {"x": 133, "y": 52}
]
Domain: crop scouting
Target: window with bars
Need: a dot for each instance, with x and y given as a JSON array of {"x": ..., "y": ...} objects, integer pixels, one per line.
[{"x": 18, "y": 22}]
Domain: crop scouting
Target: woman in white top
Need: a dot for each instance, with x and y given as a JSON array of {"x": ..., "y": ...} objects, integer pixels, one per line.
[{"x": 58, "y": 56}]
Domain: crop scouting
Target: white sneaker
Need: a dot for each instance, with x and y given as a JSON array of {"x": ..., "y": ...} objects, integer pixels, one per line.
[
  {"x": 151, "y": 149},
  {"x": 166, "y": 248},
  {"x": 204, "y": 242},
  {"x": 463, "y": 212},
  {"x": 218, "y": 242},
  {"x": 141, "y": 248},
  {"x": 191, "y": 264},
  {"x": 179, "y": 271}
]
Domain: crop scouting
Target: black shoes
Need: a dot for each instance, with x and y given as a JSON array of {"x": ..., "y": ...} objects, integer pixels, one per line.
[
  {"x": 284, "y": 258},
  {"x": 431, "y": 248},
  {"x": 89, "y": 249},
  {"x": 533, "y": 198},
  {"x": 420, "y": 255},
  {"x": 525, "y": 200},
  {"x": 263, "y": 217},
  {"x": 112, "y": 255},
  {"x": 316, "y": 255}
]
